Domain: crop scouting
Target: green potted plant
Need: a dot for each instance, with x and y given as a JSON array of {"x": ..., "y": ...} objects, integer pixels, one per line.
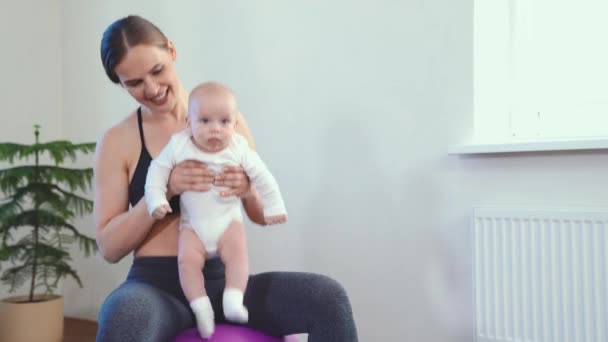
[{"x": 36, "y": 232}]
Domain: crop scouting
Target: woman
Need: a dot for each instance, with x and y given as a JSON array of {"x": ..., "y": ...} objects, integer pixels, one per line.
[{"x": 150, "y": 305}]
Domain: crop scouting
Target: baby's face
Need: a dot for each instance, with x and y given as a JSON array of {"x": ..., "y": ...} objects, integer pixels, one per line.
[{"x": 212, "y": 119}]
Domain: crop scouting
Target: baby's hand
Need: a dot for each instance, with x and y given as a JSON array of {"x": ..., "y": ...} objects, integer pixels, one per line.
[
  {"x": 277, "y": 219},
  {"x": 161, "y": 211}
]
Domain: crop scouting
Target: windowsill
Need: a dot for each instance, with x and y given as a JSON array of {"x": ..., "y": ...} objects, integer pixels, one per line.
[{"x": 531, "y": 146}]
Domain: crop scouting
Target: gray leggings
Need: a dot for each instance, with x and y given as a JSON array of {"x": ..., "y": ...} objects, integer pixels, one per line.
[{"x": 150, "y": 305}]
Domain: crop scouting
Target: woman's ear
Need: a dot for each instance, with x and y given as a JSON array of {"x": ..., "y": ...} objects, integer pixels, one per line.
[{"x": 172, "y": 49}]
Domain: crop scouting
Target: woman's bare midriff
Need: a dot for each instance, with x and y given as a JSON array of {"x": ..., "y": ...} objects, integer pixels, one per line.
[{"x": 162, "y": 239}]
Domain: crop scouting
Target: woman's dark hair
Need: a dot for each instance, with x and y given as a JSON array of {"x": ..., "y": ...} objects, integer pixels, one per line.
[{"x": 124, "y": 33}]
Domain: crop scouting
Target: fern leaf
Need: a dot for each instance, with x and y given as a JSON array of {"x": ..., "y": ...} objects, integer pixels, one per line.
[
  {"x": 58, "y": 150},
  {"x": 75, "y": 179},
  {"x": 16, "y": 276}
]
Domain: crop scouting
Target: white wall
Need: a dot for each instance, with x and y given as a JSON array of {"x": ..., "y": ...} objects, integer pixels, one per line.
[
  {"x": 366, "y": 90},
  {"x": 353, "y": 105},
  {"x": 30, "y": 65}
]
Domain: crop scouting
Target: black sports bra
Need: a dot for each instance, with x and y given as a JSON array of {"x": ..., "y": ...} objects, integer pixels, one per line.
[{"x": 138, "y": 182}]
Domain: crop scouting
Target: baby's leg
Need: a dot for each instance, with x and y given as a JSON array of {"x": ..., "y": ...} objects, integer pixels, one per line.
[
  {"x": 191, "y": 259},
  {"x": 232, "y": 248}
]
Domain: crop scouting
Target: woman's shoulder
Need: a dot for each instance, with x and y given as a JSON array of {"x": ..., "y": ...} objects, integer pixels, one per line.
[
  {"x": 122, "y": 130},
  {"x": 121, "y": 135},
  {"x": 243, "y": 129}
]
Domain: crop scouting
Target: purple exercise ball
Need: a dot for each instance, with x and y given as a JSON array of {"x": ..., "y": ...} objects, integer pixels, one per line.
[{"x": 231, "y": 333}]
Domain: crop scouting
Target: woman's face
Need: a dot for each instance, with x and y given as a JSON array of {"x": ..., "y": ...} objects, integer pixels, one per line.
[{"x": 148, "y": 74}]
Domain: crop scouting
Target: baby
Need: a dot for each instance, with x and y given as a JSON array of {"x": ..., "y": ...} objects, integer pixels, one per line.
[{"x": 211, "y": 224}]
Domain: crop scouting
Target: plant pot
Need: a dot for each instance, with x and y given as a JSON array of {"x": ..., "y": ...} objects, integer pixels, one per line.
[{"x": 31, "y": 322}]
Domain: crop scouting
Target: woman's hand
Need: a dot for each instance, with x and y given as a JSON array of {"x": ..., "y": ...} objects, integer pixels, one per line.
[
  {"x": 189, "y": 175},
  {"x": 235, "y": 178}
]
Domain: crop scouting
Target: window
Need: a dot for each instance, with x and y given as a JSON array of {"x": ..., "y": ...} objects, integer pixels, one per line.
[{"x": 540, "y": 69}]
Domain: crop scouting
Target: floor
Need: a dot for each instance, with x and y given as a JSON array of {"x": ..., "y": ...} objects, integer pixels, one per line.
[{"x": 79, "y": 330}]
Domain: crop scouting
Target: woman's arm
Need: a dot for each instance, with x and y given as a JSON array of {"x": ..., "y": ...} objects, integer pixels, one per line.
[
  {"x": 253, "y": 206},
  {"x": 118, "y": 230}
]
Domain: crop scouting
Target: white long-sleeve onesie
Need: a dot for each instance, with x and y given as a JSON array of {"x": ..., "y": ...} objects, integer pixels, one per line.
[{"x": 208, "y": 213}]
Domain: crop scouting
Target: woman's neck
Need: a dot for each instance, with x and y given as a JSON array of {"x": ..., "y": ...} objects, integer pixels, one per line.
[{"x": 179, "y": 113}]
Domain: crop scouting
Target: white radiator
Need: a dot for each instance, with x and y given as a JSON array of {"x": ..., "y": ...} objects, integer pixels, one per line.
[{"x": 540, "y": 275}]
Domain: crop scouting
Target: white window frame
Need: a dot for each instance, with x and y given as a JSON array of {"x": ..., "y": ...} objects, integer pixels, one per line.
[{"x": 505, "y": 112}]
